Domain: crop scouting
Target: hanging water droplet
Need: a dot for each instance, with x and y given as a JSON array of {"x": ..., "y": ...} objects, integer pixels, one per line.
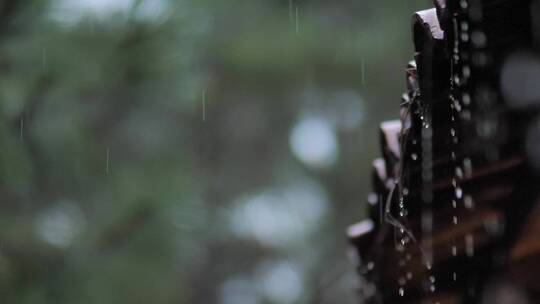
[
  {"x": 457, "y": 106},
  {"x": 372, "y": 198},
  {"x": 459, "y": 172},
  {"x": 466, "y": 71},
  {"x": 454, "y": 220},
  {"x": 405, "y": 191},
  {"x": 414, "y": 156},
  {"x": 454, "y": 250},
  {"x": 370, "y": 265},
  {"x": 479, "y": 39},
  {"x": 401, "y": 291},
  {"x": 457, "y": 80},
  {"x": 466, "y": 99},
  {"x": 468, "y": 202},
  {"x": 405, "y": 240},
  {"x": 459, "y": 192}
]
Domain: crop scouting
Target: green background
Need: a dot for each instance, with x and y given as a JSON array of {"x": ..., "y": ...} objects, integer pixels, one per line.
[{"x": 190, "y": 151}]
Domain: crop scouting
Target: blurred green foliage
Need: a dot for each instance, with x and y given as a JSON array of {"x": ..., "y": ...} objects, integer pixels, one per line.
[{"x": 121, "y": 183}]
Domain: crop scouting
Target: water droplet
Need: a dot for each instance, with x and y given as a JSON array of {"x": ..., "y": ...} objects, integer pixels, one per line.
[
  {"x": 457, "y": 80},
  {"x": 459, "y": 192},
  {"x": 466, "y": 115},
  {"x": 468, "y": 202},
  {"x": 479, "y": 39},
  {"x": 372, "y": 198},
  {"x": 466, "y": 99},
  {"x": 459, "y": 172},
  {"x": 405, "y": 191},
  {"x": 466, "y": 71},
  {"x": 401, "y": 291}
]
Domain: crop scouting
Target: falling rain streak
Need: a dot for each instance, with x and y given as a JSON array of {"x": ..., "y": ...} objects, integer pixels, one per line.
[
  {"x": 203, "y": 105},
  {"x": 107, "y": 161},
  {"x": 290, "y": 10},
  {"x": 293, "y": 16},
  {"x": 297, "y": 26},
  {"x": 22, "y": 128}
]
